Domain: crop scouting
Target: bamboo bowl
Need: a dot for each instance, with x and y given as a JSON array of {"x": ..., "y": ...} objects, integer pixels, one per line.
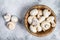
[{"x": 39, "y": 34}]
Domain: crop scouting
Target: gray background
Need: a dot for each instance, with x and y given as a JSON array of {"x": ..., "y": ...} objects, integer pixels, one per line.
[{"x": 19, "y": 8}]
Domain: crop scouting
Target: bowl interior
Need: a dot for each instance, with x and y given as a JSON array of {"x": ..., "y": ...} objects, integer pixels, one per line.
[{"x": 28, "y": 14}]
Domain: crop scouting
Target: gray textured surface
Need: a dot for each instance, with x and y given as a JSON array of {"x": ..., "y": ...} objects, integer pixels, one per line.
[{"x": 18, "y": 8}]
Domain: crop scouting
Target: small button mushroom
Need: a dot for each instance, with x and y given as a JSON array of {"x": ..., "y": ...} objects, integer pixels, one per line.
[
  {"x": 11, "y": 25},
  {"x": 34, "y": 12},
  {"x": 35, "y": 21},
  {"x": 50, "y": 19},
  {"x": 7, "y": 17},
  {"x": 41, "y": 19},
  {"x": 39, "y": 13},
  {"x": 45, "y": 25},
  {"x": 46, "y": 13},
  {"x": 53, "y": 24},
  {"x": 30, "y": 19},
  {"x": 33, "y": 29},
  {"x": 14, "y": 19},
  {"x": 39, "y": 28}
]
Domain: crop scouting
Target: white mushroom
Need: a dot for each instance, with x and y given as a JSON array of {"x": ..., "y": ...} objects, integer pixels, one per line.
[
  {"x": 30, "y": 19},
  {"x": 50, "y": 19},
  {"x": 45, "y": 25},
  {"x": 34, "y": 12},
  {"x": 46, "y": 13},
  {"x": 39, "y": 28},
  {"x": 35, "y": 21},
  {"x": 33, "y": 29},
  {"x": 7, "y": 17},
  {"x": 53, "y": 24},
  {"x": 41, "y": 19},
  {"x": 11, "y": 25},
  {"x": 14, "y": 19},
  {"x": 39, "y": 13}
]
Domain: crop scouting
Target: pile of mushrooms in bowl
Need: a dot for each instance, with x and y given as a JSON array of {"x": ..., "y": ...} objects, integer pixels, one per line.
[{"x": 40, "y": 20}]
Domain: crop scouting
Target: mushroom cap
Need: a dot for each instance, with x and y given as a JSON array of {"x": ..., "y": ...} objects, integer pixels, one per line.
[
  {"x": 45, "y": 25},
  {"x": 53, "y": 24},
  {"x": 14, "y": 19},
  {"x": 39, "y": 28},
  {"x": 46, "y": 13},
  {"x": 33, "y": 29},
  {"x": 11, "y": 25},
  {"x": 41, "y": 19},
  {"x": 35, "y": 21},
  {"x": 30, "y": 18},
  {"x": 39, "y": 14},
  {"x": 50, "y": 19},
  {"x": 7, "y": 17},
  {"x": 34, "y": 12}
]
